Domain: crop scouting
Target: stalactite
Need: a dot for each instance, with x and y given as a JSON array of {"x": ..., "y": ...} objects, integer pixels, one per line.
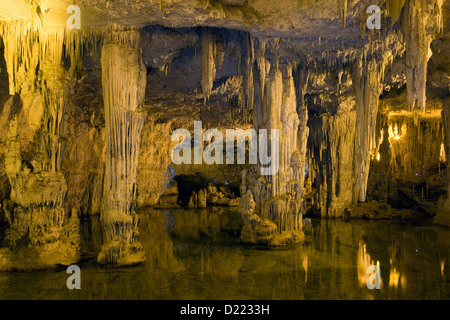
[
  {"x": 123, "y": 82},
  {"x": 417, "y": 49},
  {"x": 262, "y": 65},
  {"x": 394, "y": 8},
  {"x": 378, "y": 182},
  {"x": 303, "y": 129},
  {"x": 332, "y": 168},
  {"x": 248, "y": 87},
  {"x": 343, "y": 11},
  {"x": 272, "y": 207},
  {"x": 28, "y": 45},
  {"x": 366, "y": 83},
  {"x": 415, "y": 143},
  {"x": 208, "y": 63}
]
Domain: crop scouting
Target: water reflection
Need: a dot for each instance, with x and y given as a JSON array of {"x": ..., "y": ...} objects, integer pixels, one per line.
[
  {"x": 197, "y": 254},
  {"x": 365, "y": 271}
]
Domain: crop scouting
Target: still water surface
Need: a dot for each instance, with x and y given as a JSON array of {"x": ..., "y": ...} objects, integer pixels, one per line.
[{"x": 196, "y": 254}]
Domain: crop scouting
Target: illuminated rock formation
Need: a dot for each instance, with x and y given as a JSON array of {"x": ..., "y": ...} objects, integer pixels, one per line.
[
  {"x": 366, "y": 81},
  {"x": 417, "y": 53},
  {"x": 332, "y": 166},
  {"x": 42, "y": 231},
  {"x": 272, "y": 207},
  {"x": 208, "y": 63},
  {"x": 123, "y": 78}
]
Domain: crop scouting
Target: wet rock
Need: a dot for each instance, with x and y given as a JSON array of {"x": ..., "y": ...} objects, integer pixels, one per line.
[
  {"x": 201, "y": 199},
  {"x": 169, "y": 198},
  {"x": 307, "y": 226},
  {"x": 382, "y": 211}
]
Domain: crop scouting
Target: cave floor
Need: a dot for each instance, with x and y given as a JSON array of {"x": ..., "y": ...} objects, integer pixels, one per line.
[{"x": 197, "y": 254}]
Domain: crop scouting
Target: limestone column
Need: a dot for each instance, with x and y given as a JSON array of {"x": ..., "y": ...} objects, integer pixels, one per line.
[{"x": 124, "y": 81}]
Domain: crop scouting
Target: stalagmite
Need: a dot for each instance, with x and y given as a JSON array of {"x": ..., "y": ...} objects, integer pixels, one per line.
[{"x": 123, "y": 81}]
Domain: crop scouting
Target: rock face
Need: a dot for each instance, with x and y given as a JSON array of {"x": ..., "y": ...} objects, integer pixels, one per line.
[{"x": 124, "y": 80}]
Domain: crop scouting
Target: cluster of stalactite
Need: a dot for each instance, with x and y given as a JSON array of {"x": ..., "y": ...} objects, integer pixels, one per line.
[
  {"x": 271, "y": 205},
  {"x": 208, "y": 62},
  {"x": 416, "y": 40},
  {"x": 415, "y": 143},
  {"x": 37, "y": 67},
  {"x": 42, "y": 66},
  {"x": 332, "y": 165}
]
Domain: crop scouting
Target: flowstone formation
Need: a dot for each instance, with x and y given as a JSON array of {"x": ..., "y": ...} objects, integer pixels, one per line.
[
  {"x": 124, "y": 81},
  {"x": 41, "y": 232}
]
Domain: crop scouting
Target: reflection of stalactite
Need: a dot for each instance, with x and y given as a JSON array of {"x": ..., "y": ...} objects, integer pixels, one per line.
[
  {"x": 124, "y": 80},
  {"x": 343, "y": 11},
  {"x": 364, "y": 261}
]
